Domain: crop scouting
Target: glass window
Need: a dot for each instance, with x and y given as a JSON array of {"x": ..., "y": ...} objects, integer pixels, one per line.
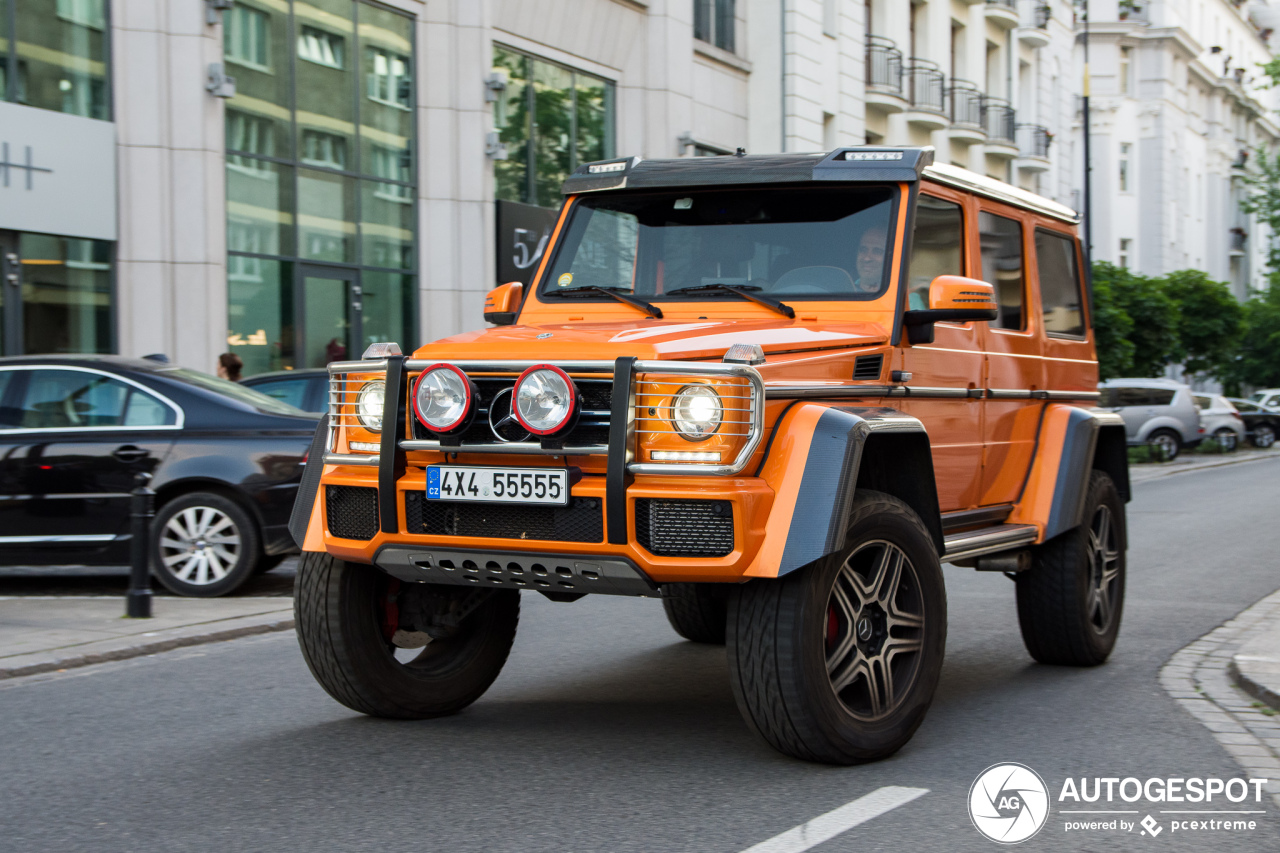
[
  {"x": 259, "y": 205},
  {"x": 1126, "y": 148},
  {"x": 66, "y": 294},
  {"x": 323, "y": 48},
  {"x": 550, "y": 119},
  {"x": 323, "y": 149},
  {"x": 291, "y": 391},
  {"x": 386, "y": 225},
  {"x": 816, "y": 244},
  {"x": 937, "y": 247},
  {"x": 386, "y": 113},
  {"x": 234, "y": 390},
  {"x": 1001, "y": 241},
  {"x": 388, "y": 308},
  {"x": 323, "y": 78},
  {"x": 246, "y": 36},
  {"x": 261, "y": 315},
  {"x": 60, "y": 52},
  {"x": 326, "y": 216},
  {"x": 713, "y": 22},
  {"x": 72, "y": 399},
  {"x": 1121, "y": 397},
  {"x": 1059, "y": 284}
]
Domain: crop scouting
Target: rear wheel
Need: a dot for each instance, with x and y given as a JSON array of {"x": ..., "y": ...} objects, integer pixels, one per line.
[
  {"x": 1264, "y": 435},
  {"x": 1071, "y": 599},
  {"x": 838, "y": 662},
  {"x": 349, "y": 622},
  {"x": 1226, "y": 438},
  {"x": 698, "y": 611},
  {"x": 203, "y": 545},
  {"x": 1166, "y": 443}
]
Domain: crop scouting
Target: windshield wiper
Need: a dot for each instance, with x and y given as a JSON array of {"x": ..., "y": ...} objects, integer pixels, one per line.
[
  {"x": 616, "y": 292},
  {"x": 745, "y": 292}
]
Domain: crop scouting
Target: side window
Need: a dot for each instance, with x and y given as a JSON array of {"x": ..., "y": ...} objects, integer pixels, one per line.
[
  {"x": 1202, "y": 402},
  {"x": 1059, "y": 284},
  {"x": 72, "y": 399},
  {"x": 1161, "y": 398},
  {"x": 937, "y": 247},
  {"x": 9, "y": 418},
  {"x": 1001, "y": 240},
  {"x": 291, "y": 391}
]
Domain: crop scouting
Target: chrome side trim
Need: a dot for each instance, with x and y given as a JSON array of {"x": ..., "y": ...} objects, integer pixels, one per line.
[
  {"x": 367, "y": 459},
  {"x": 516, "y": 448},
  {"x": 511, "y": 365},
  {"x": 1074, "y": 395},
  {"x": 46, "y": 540},
  {"x": 1008, "y": 394},
  {"x": 988, "y": 540}
]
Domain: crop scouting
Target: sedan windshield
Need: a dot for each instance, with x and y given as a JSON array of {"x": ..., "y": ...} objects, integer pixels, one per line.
[{"x": 787, "y": 244}]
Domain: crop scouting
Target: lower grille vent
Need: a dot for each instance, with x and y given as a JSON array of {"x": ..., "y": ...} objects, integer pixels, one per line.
[
  {"x": 352, "y": 511},
  {"x": 670, "y": 528},
  {"x": 581, "y": 521}
]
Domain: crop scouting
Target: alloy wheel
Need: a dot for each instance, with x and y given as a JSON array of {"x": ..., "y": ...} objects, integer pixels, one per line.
[
  {"x": 1264, "y": 436},
  {"x": 200, "y": 545},
  {"x": 874, "y": 631},
  {"x": 1167, "y": 446},
  {"x": 1104, "y": 570}
]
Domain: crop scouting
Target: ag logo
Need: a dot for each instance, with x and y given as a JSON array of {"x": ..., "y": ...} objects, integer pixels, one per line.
[{"x": 1009, "y": 803}]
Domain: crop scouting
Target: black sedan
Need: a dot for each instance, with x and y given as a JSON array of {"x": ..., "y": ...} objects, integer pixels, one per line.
[
  {"x": 225, "y": 464},
  {"x": 1261, "y": 425},
  {"x": 303, "y": 389}
]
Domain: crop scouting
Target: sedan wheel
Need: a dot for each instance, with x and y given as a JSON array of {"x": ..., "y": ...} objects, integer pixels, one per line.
[
  {"x": 1166, "y": 444},
  {"x": 203, "y": 545},
  {"x": 1264, "y": 436},
  {"x": 1226, "y": 439}
]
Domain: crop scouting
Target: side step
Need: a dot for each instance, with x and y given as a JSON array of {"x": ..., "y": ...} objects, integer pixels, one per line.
[{"x": 987, "y": 540}]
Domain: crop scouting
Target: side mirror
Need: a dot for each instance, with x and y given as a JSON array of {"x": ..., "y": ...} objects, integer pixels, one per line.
[
  {"x": 952, "y": 298},
  {"x": 502, "y": 304}
]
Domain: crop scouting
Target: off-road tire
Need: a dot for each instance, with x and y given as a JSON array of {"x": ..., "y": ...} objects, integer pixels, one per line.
[
  {"x": 1167, "y": 443},
  {"x": 1054, "y": 609},
  {"x": 1264, "y": 435},
  {"x": 337, "y": 608},
  {"x": 206, "y": 505},
  {"x": 778, "y": 646},
  {"x": 697, "y": 611}
]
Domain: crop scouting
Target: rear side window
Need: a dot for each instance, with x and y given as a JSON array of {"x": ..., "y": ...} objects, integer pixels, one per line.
[
  {"x": 1117, "y": 397},
  {"x": 290, "y": 391},
  {"x": 1001, "y": 240},
  {"x": 1202, "y": 402},
  {"x": 937, "y": 247},
  {"x": 73, "y": 399},
  {"x": 1059, "y": 284}
]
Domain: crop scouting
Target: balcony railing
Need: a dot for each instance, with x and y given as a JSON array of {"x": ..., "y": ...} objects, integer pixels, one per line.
[
  {"x": 926, "y": 86},
  {"x": 1034, "y": 140},
  {"x": 884, "y": 65},
  {"x": 966, "y": 103},
  {"x": 998, "y": 119}
]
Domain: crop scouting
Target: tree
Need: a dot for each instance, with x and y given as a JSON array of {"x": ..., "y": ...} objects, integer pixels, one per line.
[
  {"x": 1208, "y": 322},
  {"x": 1264, "y": 200},
  {"x": 1258, "y": 360},
  {"x": 1152, "y": 333},
  {"x": 1111, "y": 326}
]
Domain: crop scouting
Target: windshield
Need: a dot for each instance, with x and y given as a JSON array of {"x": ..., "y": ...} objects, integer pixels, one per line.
[
  {"x": 811, "y": 243},
  {"x": 240, "y": 393}
]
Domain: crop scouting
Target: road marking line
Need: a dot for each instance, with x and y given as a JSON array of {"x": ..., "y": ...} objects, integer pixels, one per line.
[{"x": 825, "y": 827}]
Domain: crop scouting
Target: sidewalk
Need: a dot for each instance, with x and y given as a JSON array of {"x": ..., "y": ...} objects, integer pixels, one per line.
[
  {"x": 1256, "y": 666},
  {"x": 1140, "y": 472},
  {"x": 50, "y": 633}
]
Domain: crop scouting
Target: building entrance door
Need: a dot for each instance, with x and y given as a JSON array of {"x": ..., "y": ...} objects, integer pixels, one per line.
[
  {"x": 55, "y": 294},
  {"x": 331, "y": 314}
]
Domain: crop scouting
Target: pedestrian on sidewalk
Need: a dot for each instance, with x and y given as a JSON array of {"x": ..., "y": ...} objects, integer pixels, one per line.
[{"x": 229, "y": 366}]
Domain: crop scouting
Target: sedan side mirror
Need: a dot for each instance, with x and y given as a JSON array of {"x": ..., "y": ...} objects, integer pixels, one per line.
[
  {"x": 952, "y": 298},
  {"x": 502, "y": 304}
]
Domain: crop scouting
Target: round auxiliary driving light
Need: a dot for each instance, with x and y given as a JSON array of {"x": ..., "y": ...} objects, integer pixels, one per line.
[
  {"x": 545, "y": 400},
  {"x": 443, "y": 398},
  {"x": 696, "y": 412},
  {"x": 369, "y": 405}
]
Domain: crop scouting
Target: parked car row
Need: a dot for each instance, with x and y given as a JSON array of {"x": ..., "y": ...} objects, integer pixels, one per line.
[{"x": 1170, "y": 416}]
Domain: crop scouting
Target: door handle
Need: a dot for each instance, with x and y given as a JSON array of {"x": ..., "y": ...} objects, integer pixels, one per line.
[{"x": 129, "y": 453}]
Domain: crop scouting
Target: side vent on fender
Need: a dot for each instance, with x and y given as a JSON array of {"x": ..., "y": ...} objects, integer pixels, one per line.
[{"x": 868, "y": 366}]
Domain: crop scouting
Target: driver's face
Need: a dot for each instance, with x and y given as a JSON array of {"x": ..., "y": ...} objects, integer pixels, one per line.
[{"x": 871, "y": 258}]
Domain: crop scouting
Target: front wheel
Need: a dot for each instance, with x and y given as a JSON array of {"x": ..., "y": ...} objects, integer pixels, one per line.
[
  {"x": 697, "y": 611},
  {"x": 1166, "y": 443},
  {"x": 1071, "y": 599},
  {"x": 1264, "y": 436},
  {"x": 838, "y": 662},
  {"x": 389, "y": 649}
]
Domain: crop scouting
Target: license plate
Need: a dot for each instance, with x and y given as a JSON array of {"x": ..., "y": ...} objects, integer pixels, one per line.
[{"x": 498, "y": 485}]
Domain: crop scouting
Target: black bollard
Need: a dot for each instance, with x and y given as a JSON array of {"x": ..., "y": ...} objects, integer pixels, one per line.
[{"x": 142, "y": 509}]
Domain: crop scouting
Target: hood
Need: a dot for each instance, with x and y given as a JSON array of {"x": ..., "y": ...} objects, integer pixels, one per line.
[{"x": 654, "y": 339}]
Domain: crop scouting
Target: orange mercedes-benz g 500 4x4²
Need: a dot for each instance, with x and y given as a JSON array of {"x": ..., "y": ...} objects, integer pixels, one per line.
[{"x": 775, "y": 392}]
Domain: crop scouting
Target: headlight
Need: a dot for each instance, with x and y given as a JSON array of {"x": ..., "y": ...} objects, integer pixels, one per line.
[
  {"x": 369, "y": 405},
  {"x": 545, "y": 399},
  {"x": 696, "y": 412},
  {"x": 443, "y": 398}
]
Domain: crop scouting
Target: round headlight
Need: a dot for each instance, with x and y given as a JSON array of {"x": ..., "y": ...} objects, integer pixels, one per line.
[
  {"x": 545, "y": 399},
  {"x": 369, "y": 405},
  {"x": 442, "y": 398},
  {"x": 696, "y": 412}
]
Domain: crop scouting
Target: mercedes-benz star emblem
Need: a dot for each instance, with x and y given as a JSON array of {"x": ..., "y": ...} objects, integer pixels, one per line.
[
  {"x": 502, "y": 422},
  {"x": 864, "y": 629}
]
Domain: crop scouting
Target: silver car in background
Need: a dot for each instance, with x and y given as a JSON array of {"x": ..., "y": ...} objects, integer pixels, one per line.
[
  {"x": 1159, "y": 412},
  {"x": 1220, "y": 421}
]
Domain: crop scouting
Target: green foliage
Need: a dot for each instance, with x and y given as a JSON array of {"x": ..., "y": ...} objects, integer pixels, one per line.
[
  {"x": 1152, "y": 329},
  {"x": 1257, "y": 362},
  {"x": 1208, "y": 322},
  {"x": 1263, "y": 181}
]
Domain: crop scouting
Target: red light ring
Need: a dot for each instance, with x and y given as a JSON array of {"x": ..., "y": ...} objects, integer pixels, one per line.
[
  {"x": 573, "y": 399},
  {"x": 466, "y": 409}
]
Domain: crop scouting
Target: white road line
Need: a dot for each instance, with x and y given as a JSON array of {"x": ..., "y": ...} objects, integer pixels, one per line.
[{"x": 825, "y": 827}]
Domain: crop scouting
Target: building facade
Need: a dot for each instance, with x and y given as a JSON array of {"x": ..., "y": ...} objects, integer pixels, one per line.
[{"x": 292, "y": 180}]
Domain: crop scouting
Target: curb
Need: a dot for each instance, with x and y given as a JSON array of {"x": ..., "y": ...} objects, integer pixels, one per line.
[
  {"x": 164, "y": 645},
  {"x": 1156, "y": 475},
  {"x": 1254, "y": 688}
]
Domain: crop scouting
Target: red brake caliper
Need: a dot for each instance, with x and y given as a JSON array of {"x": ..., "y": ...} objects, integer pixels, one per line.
[
  {"x": 833, "y": 626},
  {"x": 391, "y": 610}
]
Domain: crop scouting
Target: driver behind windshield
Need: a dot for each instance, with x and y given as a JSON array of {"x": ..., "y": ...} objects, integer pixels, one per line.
[{"x": 785, "y": 243}]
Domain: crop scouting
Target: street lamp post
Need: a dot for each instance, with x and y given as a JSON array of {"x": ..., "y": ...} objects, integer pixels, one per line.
[{"x": 1088, "y": 167}]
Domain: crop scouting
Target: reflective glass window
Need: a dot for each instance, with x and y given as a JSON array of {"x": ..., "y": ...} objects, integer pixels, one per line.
[
  {"x": 326, "y": 216},
  {"x": 937, "y": 247},
  {"x": 255, "y": 47},
  {"x": 259, "y": 207},
  {"x": 261, "y": 314},
  {"x": 388, "y": 308},
  {"x": 66, "y": 294},
  {"x": 75, "y": 399},
  {"x": 60, "y": 53},
  {"x": 386, "y": 225},
  {"x": 1001, "y": 241},
  {"x": 292, "y": 391},
  {"x": 323, "y": 77},
  {"x": 1059, "y": 284}
]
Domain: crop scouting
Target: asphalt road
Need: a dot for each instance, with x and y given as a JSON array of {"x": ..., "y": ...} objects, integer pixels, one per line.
[{"x": 607, "y": 733}]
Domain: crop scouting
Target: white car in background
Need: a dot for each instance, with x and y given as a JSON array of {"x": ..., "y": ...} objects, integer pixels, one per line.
[
  {"x": 1267, "y": 398},
  {"x": 1220, "y": 420}
]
